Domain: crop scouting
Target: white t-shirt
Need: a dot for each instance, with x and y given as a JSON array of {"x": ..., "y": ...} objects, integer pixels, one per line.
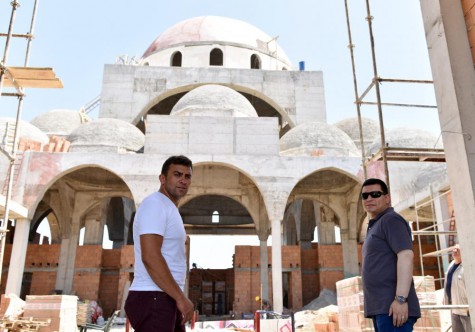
[{"x": 158, "y": 215}]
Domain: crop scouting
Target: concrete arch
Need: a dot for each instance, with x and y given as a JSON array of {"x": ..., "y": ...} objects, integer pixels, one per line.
[
  {"x": 50, "y": 182},
  {"x": 325, "y": 183},
  {"x": 222, "y": 179},
  {"x": 234, "y": 217}
]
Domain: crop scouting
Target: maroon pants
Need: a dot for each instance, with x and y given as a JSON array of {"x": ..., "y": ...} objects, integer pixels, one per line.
[{"x": 150, "y": 311}]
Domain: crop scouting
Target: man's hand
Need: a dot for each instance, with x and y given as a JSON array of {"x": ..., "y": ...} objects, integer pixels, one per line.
[
  {"x": 187, "y": 309},
  {"x": 399, "y": 312}
]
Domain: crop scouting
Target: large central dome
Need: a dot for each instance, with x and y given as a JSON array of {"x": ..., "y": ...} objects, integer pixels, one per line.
[{"x": 215, "y": 30}]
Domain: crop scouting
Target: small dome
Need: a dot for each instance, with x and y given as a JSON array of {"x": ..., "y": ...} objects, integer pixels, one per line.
[
  {"x": 106, "y": 134},
  {"x": 317, "y": 139},
  {"x": 351, "y": 127},
  {"x": 214, "y": 100},
  {"x": 60, "y": 122},
  {"x": 27, "y": 131},
  {"x": 407, "y": 138}
]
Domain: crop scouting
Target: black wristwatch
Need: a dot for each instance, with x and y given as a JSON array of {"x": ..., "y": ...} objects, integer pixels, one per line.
[{"x": 400, "y": 299}]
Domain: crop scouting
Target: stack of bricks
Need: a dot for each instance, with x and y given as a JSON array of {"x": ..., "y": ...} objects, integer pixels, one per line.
[
  {"x": 331, "y": 325},
  {"x": 55, "y": 144},
  {"x": 351, "y": 311},
  {"x": 430, "y": 319},
  {"x": 61, "y": 309},
  {"x": 349, "y": 295}
]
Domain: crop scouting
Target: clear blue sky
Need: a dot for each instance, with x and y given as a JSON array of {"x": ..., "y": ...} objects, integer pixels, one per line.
[{"x": 77, "y": 38}]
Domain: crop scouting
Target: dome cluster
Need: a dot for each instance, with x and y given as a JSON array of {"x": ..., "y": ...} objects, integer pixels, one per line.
[{"x": 76, "y": 127}]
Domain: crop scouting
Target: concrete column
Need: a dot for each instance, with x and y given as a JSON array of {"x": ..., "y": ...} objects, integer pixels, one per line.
[
  {"x": 348, "y": 241},
  {"x": 454, "y": 83},
  {"x": 17, "y": 265},
  {"x": 71, "y": 257},
  {"x": 277, "y": 266},
  {"x": 94, "y": 231},
  {"x": 69, "y": 244},
  {"x": 264, "y": 269},
  {"x": 326, "y": 232}
]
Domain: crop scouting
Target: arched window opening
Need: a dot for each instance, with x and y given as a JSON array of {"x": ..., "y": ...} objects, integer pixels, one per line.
[
  {"x": 106, "y": 242},
  {"x": 176, "y": 59},
  {"x": 215, "y": 217},
  {"x": 82, "y": 231},
  {"x": 216, "y": 57},
  {"x": 255, "y": 62},
  {"x": 44, "y": 230}
]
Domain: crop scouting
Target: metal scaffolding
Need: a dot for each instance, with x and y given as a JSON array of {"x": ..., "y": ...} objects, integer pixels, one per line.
[
  {"x": 385, "y": 152},
  {"x": 18, "y": 78}
]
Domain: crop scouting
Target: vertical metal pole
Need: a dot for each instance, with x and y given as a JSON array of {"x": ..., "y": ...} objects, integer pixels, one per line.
[
  {"x": 369, "y": 18},
  {"x": 436, "y": 237},
  {"x": 421, "y": 259},
  {"x": 14, "y": 4},
  {"x": 355, "y": 83},
  {"x": 32, "y": 28}
]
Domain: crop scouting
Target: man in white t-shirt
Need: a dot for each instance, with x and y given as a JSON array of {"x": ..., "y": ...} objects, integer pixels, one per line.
[{"x": 156, "y": 300}]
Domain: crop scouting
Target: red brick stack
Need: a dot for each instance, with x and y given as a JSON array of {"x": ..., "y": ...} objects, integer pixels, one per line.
[{"x": 62, "y": 309}]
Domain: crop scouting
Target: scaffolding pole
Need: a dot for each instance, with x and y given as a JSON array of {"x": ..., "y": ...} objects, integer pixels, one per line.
[
  {"x": 369, "y": 19},
  {"x": 12, "y": 155},
  {"x": 355, "y": 83}
]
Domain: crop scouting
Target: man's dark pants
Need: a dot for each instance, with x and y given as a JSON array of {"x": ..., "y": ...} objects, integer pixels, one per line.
[{"x": 153, "y": 311}]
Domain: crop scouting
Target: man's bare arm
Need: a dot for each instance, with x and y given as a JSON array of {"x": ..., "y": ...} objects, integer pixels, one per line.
[{"x": 405, "y": 261}]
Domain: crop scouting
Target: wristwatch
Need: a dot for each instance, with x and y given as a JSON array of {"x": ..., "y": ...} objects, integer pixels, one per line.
[{"x": 400, "y": 299}]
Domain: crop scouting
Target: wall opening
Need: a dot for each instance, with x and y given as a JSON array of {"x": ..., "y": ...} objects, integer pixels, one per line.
[
  {"x": 216, "y": 57},
  {"x": 176, "y": 59}
]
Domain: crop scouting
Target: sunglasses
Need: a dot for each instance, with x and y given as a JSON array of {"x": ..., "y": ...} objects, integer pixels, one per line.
[{"x": 373, "y": 194}]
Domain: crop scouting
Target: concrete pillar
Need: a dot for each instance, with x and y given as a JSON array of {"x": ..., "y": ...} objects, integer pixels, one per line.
[
  {"x": 93, "y": 232},
  {"x": 17, "y": 265},
  {"x": 71, "y": 256},
  {"x": 69, "y": 244},
  {"x": 454, "y": 83},
  {"x": 348, "y": 241},
  {"x": 264, "y": 264},
  {"x": 326, "y": 232},
  {"x": 307, "y": 224},
  {"x": 277, "y": 266}
]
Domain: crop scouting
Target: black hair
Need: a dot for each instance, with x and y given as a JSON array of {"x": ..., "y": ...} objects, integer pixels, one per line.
[
  {"x": 176, "y": 160},
  {"x": 372, "y": 181}
]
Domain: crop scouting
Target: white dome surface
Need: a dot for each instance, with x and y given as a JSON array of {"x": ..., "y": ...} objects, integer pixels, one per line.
[
  {"x": 317, "y": 139},
  {"x": 106, "y": 132},
  {"x": 351, "y": 127},
  {"x": 407, "y": 138},
  {"x": 60, "y": 122},
  {"x": 205, "y": 29},
  {"x": 27, "y": 131},
  {"x": 214, "y": 100}
]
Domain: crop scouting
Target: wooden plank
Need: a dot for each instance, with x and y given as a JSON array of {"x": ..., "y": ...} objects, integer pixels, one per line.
[
  {"x": 29, "y": 77},
  {"x": 32, "y": 72}
]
